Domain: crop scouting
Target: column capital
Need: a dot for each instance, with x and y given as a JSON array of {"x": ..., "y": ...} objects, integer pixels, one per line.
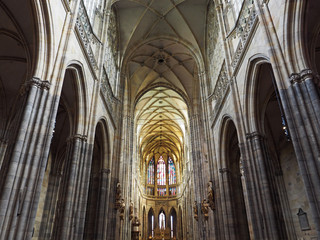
[
  {"x": 294, "y": 78},
  {"x": 302, "y": 76},
  {"x": 254, "y": 135},
  {"x": 34, "y": 82},
  {"x": 224, "y": 170},
  {"x": 78, "y": 137}
]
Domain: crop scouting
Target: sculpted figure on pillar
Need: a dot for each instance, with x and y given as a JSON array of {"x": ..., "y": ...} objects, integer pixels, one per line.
[
  {"x": 122, "y": 206},
  {"x": 210, "y": 195},
  {"x": 195, "y": 210},
  {"x": 118, "y": 193},
  {"x": 205, "y": 208},
  {"x": 131, "y": 211},
  {"x": 119, "y": 200}
]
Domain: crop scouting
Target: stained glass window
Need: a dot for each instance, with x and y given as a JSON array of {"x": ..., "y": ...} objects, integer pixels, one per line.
[
  {"x": 172, "y": 172},
  {"x": 150, "y": 191},
  {"x": 173, "y": 191},
  {"x": 162, "y": 191},
  {"x": 161, "y": 172},
  {"x": 151, "y": 172}
]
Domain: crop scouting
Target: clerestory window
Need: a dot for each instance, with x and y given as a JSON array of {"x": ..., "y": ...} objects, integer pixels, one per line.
[{"x": 161, "y": 177}]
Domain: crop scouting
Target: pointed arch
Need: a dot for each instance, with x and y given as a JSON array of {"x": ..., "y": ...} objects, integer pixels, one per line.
[
  {"x": 173, "y": 223},
  {"x": 151, "y": 223}
]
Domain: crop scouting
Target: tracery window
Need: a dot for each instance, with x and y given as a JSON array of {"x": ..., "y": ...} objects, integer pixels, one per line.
[
  {"x": 161, "y": 172},
  {"x": 172, "y": 172},
  {"x": 151, "y": 172},
  {"x": 161, "y": 177}
]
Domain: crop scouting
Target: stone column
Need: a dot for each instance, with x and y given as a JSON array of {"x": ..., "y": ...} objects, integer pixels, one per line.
[
  {"x": 228, "y": 216},
  {"x": 24, "y": 170},
  {"x": 74, "y": 178},
  {"x": 197, "y": 162},
  {"x": 104, "y": 201},
  {"x": 301, "y": 104},
  {"x": 262, "y": 218}
]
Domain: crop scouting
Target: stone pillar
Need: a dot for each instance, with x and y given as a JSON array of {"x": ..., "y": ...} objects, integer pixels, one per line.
[
  {"x": 104, "y": 202},
  {"x": 73, "y": 182},
  {"x": 228, "y": 217},
  {"x": 197, "y": 160},
  {"x": 262, "y": 217},
  {"x": 24, "y": 170},
  {"x": 301, "y": 104}
]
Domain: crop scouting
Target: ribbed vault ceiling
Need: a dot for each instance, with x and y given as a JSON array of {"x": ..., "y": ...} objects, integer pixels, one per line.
[
  {"x": 161, "y": 42},
  {"x": 161, "y": 117}
]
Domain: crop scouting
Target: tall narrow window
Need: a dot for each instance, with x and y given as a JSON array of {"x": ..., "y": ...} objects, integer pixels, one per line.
[
  {"x": 151, "y": 172},
  {"x": 172, "y": 172},
  {"x": 162, "y": 220},
  {"x": 152, "y": 225},
  {"x": 171, "y": 225},
  {"x": 161, "y": 172}
]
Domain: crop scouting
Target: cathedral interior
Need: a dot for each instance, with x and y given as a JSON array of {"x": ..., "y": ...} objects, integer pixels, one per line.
[{"x": 160, "y": 119}]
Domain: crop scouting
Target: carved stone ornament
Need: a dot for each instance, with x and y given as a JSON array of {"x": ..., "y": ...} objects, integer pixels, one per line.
[
  {"x": 131, "y": 211},
  {"x": 118, "y": 191},
  {"x": 121, "y": 208},
  {"x": 136, "y": 221},
  {"x": 210, "y": 195},
  {"x": 195, "y": 210},
  {"x": 118, "y": 196},
  {"x": 205, "y": 209}
]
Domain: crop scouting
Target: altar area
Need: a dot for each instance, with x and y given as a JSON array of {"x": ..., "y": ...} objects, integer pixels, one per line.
[{"x": 162, "y": 234}]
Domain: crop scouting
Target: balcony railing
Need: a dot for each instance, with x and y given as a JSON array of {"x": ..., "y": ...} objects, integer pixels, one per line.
[
  {"x": 86, "y": 33},
  {"x": 243, "y": 29}
]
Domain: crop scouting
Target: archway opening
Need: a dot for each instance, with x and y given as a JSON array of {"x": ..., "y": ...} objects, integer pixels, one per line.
[
  {"x": 173, "y": 223},
  {"x": 283, "y": 172},
  {"x": 55, "y": 183},
  {"x": 151, "y": 223},
  {"x": 236, "y": 184},
  {"x": 95, "y": 184}
]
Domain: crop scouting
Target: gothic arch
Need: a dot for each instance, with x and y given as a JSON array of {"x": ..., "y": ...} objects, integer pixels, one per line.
[
  {"x": 233, "y": 201},
  {"x": 44, "y": 38},
  {"x": 99, "y": 185},
  {"x": 302, "y": 25},
  {"x": 102, "y": 123},
  {"x": 79, "y": 95},
  {"x": 173, "y": 222},
  {"x": 151, "y": 222},
  {"x": 68, "y": 137},
  {"x": 250, "y": 91}
]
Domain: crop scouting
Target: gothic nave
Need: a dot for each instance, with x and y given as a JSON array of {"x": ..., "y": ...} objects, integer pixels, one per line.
[{"x": 159, "y": 119}]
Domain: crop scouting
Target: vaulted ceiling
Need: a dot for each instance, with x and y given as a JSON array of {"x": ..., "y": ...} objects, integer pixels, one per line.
[
  {"x": 161, "y": 44},
  {"x": 161, "y": 118}
]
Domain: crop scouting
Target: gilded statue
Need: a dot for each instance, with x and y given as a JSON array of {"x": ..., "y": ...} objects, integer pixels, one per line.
[{"x": 205, "y": 208}]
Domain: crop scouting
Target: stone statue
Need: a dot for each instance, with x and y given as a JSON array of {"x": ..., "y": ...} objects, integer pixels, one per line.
[
  {"x": 121, "y": 208},
  {"x": 136, "y": 221},
  {"x": 210, "y": 195},
  {"x": 205, "y": 208},
  {"x": 118, "y": 191},
  {"x": 195, "y": 210},
  {"x": 131, "y": 211}
]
